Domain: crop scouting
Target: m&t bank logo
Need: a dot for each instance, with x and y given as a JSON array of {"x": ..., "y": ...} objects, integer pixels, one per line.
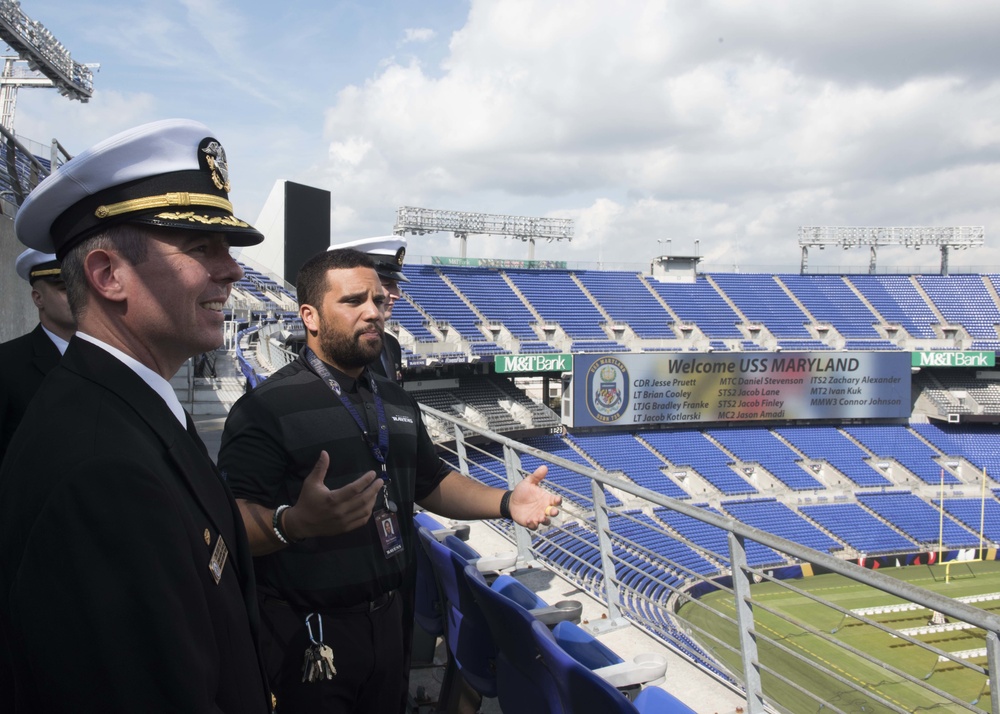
[{"x": 607, "y": 389}]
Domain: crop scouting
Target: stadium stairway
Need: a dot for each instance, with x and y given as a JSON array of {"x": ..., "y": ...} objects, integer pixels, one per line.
[{"x": 209, "y": 396}]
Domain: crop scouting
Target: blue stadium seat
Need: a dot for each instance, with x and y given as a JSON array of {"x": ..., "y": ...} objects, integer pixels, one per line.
[
  {"x": 467, "y": 634},
  {"x": 585, "y": 692},
  {"x": 522, "y": 685}
]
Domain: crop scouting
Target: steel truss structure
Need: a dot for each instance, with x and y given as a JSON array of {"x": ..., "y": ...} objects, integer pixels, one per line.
[
  {"x": 48, "y": 62},
  {"x": 846, "y": 237},
  {"x": 419, "y": 221}
]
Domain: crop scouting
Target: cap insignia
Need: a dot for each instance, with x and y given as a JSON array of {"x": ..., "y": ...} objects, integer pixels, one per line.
[
  {"x": 192, "y": 217},
  {"x": 215, "y": 156},
  {"x": 399, "y": 256}
]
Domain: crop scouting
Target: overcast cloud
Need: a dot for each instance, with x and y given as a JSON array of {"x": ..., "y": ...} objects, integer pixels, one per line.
[{"x": 723, "y": 122}]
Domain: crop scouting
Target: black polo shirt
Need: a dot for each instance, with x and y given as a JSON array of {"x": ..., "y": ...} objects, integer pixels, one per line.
[{"x": 271, "y": 441}]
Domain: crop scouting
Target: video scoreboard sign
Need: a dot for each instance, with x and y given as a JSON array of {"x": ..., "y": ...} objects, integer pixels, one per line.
[{"x": 650, "y": 389}]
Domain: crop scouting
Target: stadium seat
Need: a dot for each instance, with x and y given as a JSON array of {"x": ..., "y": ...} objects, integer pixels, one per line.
[
  {"x": 427, "y": 606},
  {"x": 583, "y": 691},
  {"x": 468, "y": 637},
  {"x": 523, "y": 685}
]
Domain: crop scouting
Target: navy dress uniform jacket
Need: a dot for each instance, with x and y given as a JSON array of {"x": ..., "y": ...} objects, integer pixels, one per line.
[
  {"x": 391, "y": 354},
  {"x": 24, "y": 362},
  {"x": 110, "y": 513}
]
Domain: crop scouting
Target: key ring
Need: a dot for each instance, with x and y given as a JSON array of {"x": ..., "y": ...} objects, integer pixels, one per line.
[{"x": 310, "y": 629}]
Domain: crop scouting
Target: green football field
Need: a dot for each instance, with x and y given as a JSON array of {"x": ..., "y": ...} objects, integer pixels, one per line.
[{"x": 966, "y": 579}]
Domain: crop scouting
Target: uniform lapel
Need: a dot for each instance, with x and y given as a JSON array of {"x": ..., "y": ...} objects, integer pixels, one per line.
[
  {"x": 46, "y": 354},
  {"x": 188, "y": 453}
]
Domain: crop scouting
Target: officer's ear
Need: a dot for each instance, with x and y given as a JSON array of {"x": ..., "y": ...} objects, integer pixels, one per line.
[{"x": 102, "y": 270}]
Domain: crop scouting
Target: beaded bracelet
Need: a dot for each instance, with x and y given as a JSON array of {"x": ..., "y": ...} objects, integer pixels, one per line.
[{"x": 276, "y": 525}]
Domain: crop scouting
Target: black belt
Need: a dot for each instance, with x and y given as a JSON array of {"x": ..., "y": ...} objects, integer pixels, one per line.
[{"x": 370, "y": 606}]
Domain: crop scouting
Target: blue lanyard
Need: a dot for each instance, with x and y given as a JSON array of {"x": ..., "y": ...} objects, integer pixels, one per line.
[{"x": 380, "y": 449}]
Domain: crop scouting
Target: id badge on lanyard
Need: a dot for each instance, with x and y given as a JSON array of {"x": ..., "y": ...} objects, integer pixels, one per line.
[{"x": 386, "y": 522}]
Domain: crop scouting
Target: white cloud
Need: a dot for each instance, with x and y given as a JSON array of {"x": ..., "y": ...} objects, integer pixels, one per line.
[
  {"x": 722, "y": 121},
  {"x": 725, "y": 122},
  {"x": 418, "y": 34}
]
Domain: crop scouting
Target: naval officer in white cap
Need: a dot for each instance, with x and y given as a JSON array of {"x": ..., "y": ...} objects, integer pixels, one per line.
[
  {"x": 28, "y": 358},
  {"x": 387, "y": 252},
  {"x": 128, "y": 582}
]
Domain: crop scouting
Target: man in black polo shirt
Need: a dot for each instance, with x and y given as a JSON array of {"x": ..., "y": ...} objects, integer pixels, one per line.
[
  {"x": 334, "y": 537},
  {"x": 387, "y": 253}
]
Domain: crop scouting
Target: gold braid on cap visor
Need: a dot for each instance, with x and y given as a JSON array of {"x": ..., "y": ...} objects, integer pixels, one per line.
[
  {"x": 44, "y": 273},
  {"x": 180, "y": 198}
]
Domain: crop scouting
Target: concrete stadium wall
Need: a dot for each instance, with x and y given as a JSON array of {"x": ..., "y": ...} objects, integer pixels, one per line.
[{"x": 17, "y": 313}]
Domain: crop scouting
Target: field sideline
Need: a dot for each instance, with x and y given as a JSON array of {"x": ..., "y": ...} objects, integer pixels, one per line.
[{"x": 789, "y": 608}]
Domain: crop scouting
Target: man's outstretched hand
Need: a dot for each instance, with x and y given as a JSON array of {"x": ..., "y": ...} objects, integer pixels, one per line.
[
  {"x": 530, "y": 504},
  {"x": 321, "y": 511}
]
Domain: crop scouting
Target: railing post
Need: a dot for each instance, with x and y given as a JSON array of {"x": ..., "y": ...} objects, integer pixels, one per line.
[
  {"x": 993, "y": 665},
  {"x": 463, "y": 464},
  {"x": 745, "y": 623},
  {"x": 522, "y": 539},
  {"x": 611, "y": 591}
]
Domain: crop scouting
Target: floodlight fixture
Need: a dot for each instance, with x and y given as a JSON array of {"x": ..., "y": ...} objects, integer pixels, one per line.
[
  {"x": 49, "y": 63},
  {"x": 847, "y": 237},
  {"x": 419, "y": 221}
]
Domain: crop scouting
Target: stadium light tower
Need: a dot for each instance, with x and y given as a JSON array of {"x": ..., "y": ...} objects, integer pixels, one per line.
[
  {"x": 419, "y": 221},
  {"x": 959, "y": 237},
  {"x": 48, "y": 62}
]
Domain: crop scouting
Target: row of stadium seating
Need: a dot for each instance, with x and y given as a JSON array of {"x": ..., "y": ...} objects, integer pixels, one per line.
[
  {"x": 496, "y": 631},
  {"x": 480, "y": 312},
  {"x": 592, "y": 308}
]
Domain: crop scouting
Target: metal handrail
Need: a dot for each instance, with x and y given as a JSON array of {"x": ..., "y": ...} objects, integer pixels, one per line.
[{"x": 613, "y": 592}]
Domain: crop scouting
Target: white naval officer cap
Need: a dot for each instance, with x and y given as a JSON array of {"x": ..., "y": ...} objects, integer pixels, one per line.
[
  {"x": 387, "y": 252},
  {"x": 33, "y": 264},
  {"x": 171, "y": 173}
]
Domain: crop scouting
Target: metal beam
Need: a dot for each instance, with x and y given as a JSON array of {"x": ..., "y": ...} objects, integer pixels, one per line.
[
  {"x": 419, "y": 221},
  {"x": 44, "y": 53}
]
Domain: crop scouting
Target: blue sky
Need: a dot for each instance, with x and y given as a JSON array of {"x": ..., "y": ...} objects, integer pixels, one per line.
[{"x": 729, "y": 122}]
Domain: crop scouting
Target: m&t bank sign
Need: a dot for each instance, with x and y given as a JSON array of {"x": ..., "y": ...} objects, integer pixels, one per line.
[
  {"x": 953, "y": 359},
  {"x": 533, "y": 363}
]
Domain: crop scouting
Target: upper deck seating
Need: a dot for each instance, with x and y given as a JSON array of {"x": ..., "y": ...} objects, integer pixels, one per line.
[
  {"x": 412, "y": 320},
  {"x": 829, "y": 299},
  {"x": 557, "y": 298},
  {"x": 438, "y": 300},
  {"x": 963, "y": 300},
  {"x": 761, "y": 299},
  {"x": 699, "y": 302},
  {"x": 625, "y": 298},
  {"x": 494, "y": 299},
  {"x": 898, "y": 301}
]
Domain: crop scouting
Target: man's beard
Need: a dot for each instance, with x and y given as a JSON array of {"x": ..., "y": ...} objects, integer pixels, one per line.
[{"x": 347, "y": 350}]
